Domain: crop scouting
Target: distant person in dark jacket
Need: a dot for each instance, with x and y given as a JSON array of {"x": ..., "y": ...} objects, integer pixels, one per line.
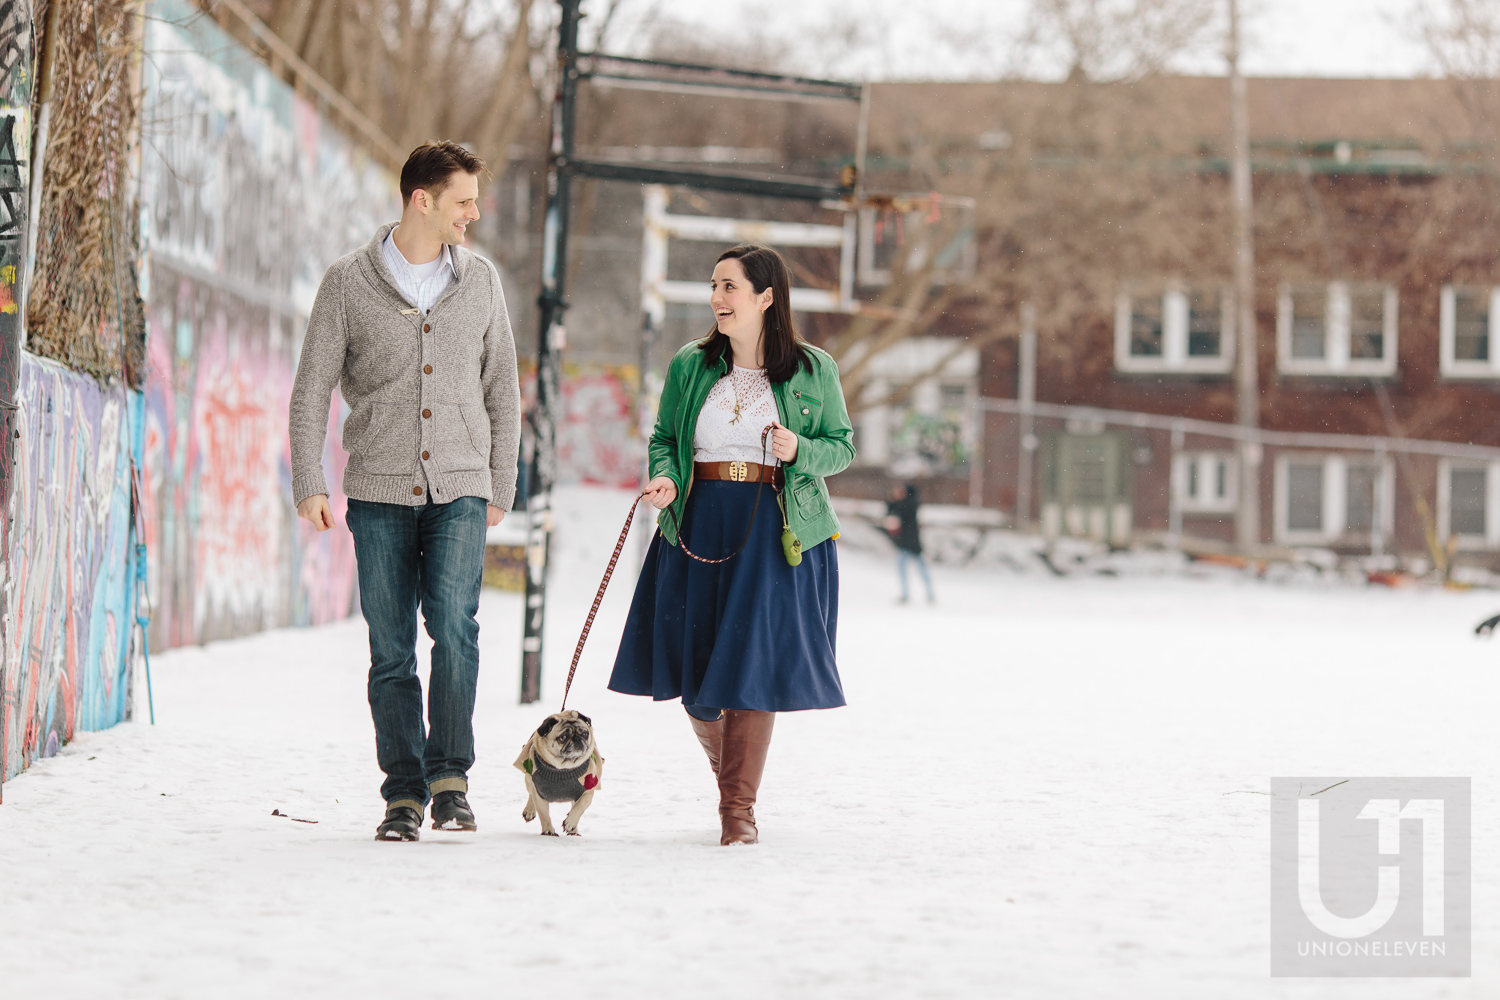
[{"x": 901, "y": 525}]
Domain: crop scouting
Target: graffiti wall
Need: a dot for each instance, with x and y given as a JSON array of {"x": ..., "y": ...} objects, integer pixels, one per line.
[
  {"x": 247, "y": 195},
  {"x": 68, "y": 594}
]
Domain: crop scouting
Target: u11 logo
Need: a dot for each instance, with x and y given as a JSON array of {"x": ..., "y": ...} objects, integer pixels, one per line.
[{"x": 1370, "y": 877}]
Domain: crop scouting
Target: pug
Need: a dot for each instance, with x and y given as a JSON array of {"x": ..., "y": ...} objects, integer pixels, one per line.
[{"x": 561, "y": 764}]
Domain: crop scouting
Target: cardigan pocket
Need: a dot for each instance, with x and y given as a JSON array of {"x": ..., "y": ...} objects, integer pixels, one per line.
[
  {"x": 379, "y": 449},
  {"x": 477, "y": 420},
  {"x": 452, "y": 444}
]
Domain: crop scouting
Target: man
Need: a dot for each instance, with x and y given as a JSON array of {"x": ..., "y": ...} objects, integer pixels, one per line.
[{"x": 413, "y": 330}]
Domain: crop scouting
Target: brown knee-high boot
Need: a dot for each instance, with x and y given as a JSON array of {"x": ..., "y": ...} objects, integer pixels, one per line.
[
  {"x": 745, "y": 742},
  {"x": 711, "y": 736}
]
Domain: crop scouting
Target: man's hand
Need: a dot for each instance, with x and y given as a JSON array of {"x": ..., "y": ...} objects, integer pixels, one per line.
[
  {"x": 315, "y": 509},
  {"x": 493, "y": 515},
  {"x": 660, "y": 492},
  {"x": 784, "y": 444}
]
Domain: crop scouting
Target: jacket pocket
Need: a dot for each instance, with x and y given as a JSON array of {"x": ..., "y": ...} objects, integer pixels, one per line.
[
  {"x": 381, "y": 448},
  {"x": 809, "y": 497},
  {"x": 453, "y": 447}
]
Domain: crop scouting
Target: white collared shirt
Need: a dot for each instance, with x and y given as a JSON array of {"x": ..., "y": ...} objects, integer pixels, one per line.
[{"x": 421, "y": 284}]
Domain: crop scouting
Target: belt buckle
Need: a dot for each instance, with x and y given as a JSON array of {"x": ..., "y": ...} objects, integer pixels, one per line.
[{"x": 738, "y": 472}]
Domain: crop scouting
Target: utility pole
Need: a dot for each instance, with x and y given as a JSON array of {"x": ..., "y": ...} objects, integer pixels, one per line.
[
  {"x": 550, "y": 336},
  {"x": 1247, "y": 372}
]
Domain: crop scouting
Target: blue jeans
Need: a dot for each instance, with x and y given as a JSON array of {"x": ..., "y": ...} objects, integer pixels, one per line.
[
  {"x": 902, "y": 558},
  {"x": 432, "y": 556}
]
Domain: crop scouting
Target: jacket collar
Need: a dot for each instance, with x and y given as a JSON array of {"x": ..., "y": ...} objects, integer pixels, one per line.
[{"x": 374, "y": 259}]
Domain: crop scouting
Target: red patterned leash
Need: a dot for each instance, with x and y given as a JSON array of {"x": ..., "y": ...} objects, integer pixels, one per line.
[{"x": 598, "y": 599}]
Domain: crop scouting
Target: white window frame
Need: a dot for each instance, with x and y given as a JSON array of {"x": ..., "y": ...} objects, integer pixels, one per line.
[
  {"x": 1448, "y": 365},
  {"x": 1335, "y": 499},
  {"x": 1336, "y": 333},
  {"x": 1205, "y": 460},
  {"x": 1174, "y": 356},
  {"x": 1491, "y": 537}
]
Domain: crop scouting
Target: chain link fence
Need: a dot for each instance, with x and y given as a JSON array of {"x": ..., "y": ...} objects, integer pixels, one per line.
[{"x": 1122, "y": 478}]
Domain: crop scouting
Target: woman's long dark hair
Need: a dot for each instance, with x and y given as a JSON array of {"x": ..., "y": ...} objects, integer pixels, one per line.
[{"x": 781, "y": 348}]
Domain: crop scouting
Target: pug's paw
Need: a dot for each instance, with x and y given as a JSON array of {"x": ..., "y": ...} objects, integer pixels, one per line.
[
  {"x": 528, "y": 814},
  {"x": 549, "y": 833}
]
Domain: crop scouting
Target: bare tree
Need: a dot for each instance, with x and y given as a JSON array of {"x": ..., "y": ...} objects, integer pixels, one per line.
[
  {"x": 1103, "y": 40},
  {"x": 421, "y": 69}
]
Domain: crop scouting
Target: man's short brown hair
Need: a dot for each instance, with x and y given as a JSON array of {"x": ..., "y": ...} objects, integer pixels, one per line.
[{"x": 432, "y": 165}]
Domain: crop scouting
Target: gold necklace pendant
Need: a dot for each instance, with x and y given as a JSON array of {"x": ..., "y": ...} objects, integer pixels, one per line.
[{"x": 736, "y": 418}]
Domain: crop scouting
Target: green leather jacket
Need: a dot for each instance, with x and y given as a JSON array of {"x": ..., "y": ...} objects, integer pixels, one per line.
[{"x": 810, "y": 403}]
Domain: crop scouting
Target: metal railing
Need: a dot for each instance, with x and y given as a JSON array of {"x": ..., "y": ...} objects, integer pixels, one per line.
[{"x": 1354, "y": 512}]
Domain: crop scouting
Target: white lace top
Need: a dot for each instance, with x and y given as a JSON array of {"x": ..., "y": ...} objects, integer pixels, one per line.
[{"x": 738, "y": 408}]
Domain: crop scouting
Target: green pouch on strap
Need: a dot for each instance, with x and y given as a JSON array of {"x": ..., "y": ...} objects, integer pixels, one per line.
[{"x": 791, "y": 545}]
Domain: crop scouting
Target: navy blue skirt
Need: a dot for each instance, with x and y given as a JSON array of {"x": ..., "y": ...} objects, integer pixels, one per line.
[{"x": 750, "y": 633}]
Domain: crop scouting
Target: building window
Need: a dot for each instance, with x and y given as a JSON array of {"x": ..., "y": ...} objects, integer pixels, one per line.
[
  {"x": 1469, "y": 503},
  {"x": 1204, "y": 482},
  {"x": 1179, "y": 330},
  {"x": 1332, "y": 499},
  {"x": 1469, "y": 322},
  {"x": 1340, "y": 328}
]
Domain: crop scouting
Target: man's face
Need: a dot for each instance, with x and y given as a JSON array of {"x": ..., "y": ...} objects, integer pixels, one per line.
[{"x": 456, "y": 205}]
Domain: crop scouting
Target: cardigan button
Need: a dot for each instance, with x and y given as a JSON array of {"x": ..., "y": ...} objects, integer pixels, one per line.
[
  {"x": 428, "y": 370},
  {"x": 426, "y": 327},
  {"x": 416, "y": 491},
  {"x": 804, "y": 411},
  {"x": 426, "y": 413},
  {"x": 425, "y": 456}
]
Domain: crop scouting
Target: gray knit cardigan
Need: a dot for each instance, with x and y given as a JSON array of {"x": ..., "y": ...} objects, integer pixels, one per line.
[{"x": 434, "y": 402}]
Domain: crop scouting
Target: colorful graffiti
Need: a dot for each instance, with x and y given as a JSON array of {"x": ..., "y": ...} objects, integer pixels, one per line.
[
  {"x": 596, "y": 437},
  {"x": 68, "y": 599},
  {"x": 247, "y": 197}
]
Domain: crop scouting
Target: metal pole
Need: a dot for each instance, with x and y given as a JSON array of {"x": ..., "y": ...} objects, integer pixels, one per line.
[
  {"x": 550, "y": 340},
  {"x": 1377, "y": 505},
  {"x": 1175, "y": 487},
  {"x": 655, "y": 201},
  {"x": 1026, "y": 396},
  {"x": 1247, "y": 375}
]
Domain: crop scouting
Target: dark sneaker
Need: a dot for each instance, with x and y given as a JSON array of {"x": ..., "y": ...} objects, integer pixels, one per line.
[
  {"x": 450, "y": 811},
  {"x": 401, "y": 823}
]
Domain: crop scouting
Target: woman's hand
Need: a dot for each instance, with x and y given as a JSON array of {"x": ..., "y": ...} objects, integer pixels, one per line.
[
  {"x": 660, "y": 492},
  {"x": 783, "y": 444}
]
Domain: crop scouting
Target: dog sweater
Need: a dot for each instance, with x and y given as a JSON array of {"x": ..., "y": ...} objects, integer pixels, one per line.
[{"x": 555, "y": 784}]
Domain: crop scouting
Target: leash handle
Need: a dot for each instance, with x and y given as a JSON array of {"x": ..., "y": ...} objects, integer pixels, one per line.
[{"x": 599, "y": 598}]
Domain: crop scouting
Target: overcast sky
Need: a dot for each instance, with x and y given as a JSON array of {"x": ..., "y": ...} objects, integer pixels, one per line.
[{"x": 948, "y": 39}]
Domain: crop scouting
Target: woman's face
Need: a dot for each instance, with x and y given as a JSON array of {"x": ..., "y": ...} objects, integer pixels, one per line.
[{"x": 737, "y": 307}]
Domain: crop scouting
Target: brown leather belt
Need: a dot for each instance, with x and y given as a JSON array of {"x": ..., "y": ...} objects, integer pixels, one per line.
[{"x": 737, "y": 472}]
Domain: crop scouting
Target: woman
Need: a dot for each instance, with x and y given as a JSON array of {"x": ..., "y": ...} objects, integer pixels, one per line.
[{"x": 751, "y": 420}]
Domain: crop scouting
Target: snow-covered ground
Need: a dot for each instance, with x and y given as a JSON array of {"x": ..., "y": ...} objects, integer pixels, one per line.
[{"x": 1042, "y": 787}]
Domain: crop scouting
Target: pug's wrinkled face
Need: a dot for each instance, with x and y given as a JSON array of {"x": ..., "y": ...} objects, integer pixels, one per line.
[{"x": 567, "y": 737}]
